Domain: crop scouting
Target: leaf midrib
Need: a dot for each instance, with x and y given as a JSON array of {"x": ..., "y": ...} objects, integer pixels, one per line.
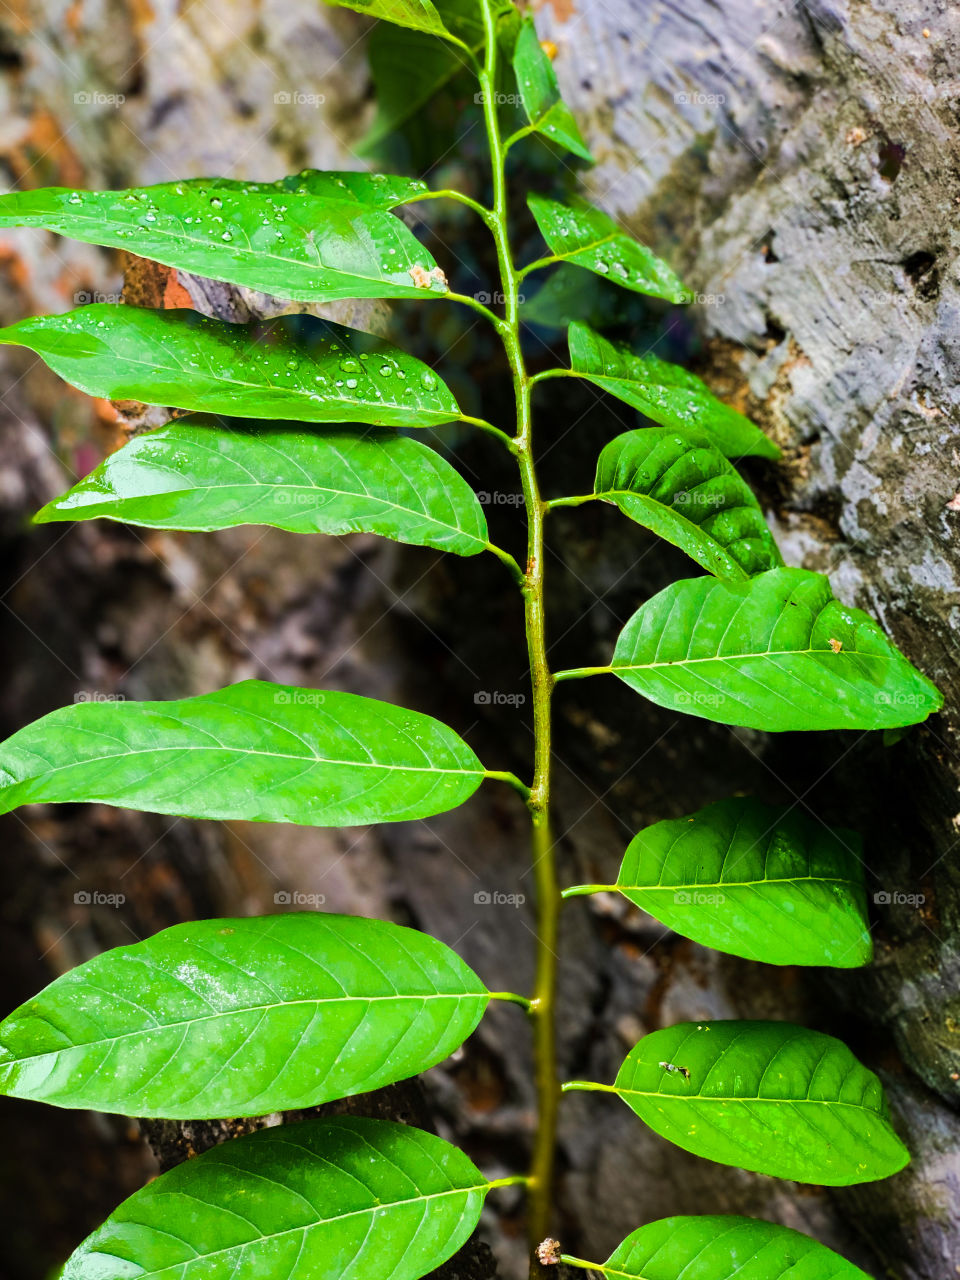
[
  {"x": 258, "y": 254},
  {"x": 228, "y": 1013},
  {"x": 373, "y": 1210},
  {"x": 239, "y": 751},
  {"x": 739, "y": 657},
  {"x": 773, "y": 1102},
  {"x": 743, "y": 884},
  {"x": 306, "y": 488}
]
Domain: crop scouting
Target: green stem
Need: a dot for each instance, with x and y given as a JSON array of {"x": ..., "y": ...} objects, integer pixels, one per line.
[
  {"x": 580, "y": 890},
  {"x": 515, "y": 570},
  {"x": 515, "y": 1180},
  {"x": 587, "y": 1086},
  {"x": 581, "y": 673},
  {"x": 511, "y": 997},
  {"x": 465, "y": 300},
  {"x": 447, "y": 193},
  {"x": 571, "y": 502},
  {"x": 547, "y": 890},
  {"x": 511, "y": 779},
  {"x": 545, "y": 374},
  {"x": 579, "y": 1262},
  {"x": 483, "y": 425}
]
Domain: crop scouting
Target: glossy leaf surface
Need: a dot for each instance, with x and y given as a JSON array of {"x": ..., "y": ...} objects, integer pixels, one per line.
[
  {"x": 665, "y": 392},
  {"x": 317, "y": 238},
  {"x": 775, "y": 653},
  {"x": 194, "y": 475},
  {"x": 678, "y": 485},
  {"x": 242, "y": 1017},
  {"x": 182, "y": 359},
  {"x": 589, "y": 238},
  {"x": 755, "y": 880},
  {"x": 340, "y": 1199},
  {"x": 260, "y": 751},
  {"x": 765, "y": 1096},
  {"x": 724, "y": 1247},
  {"x": 537, "y": 85}
]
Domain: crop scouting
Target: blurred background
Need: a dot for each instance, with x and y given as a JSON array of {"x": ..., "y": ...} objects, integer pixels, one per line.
[{"x": 797, "y": 164}]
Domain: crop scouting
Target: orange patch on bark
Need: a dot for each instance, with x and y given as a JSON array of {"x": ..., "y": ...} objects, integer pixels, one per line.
[{"x": 563, "y": 10}]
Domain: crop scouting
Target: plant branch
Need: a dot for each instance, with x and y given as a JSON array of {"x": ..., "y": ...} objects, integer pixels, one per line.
[
  {"x": 465, "y": 300},
  {"x": 553, "y": 373},
  {"x": 580, "y": 890},
  {"x": 547, "y": 890}
]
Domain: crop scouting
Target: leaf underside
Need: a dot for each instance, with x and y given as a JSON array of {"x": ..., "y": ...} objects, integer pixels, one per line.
[
  {"x": 537, "y": 84},
  {"x": 242, "y": 1017},
  {"x": 775, "y": 653},
  {"x": 420, "y": 15},
  {"x": 199, "y": 476},
  {"x": 182, "y": 359},
  {"x": 754, "y": 880},
  {"x": 724, "y": 1247},
  {"x": 340, "y": 1199},
  {"x": 260, "y": 751},
  {"x": 765, "y": 1096},
  {"x": 678, "y": 485},
  {"x": 319, "y": 237},
  {"x": 589, "y": 238},
  {"x": 664, "y": 392}
]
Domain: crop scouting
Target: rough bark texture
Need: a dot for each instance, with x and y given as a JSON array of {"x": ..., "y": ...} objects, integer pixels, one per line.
[{"x": 797, "y": 162}]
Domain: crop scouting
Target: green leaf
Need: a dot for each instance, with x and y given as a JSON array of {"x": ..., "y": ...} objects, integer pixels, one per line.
[
  {"x": 420, "y": 15},
  {"x": 568, "y": 294},
  {"x": 775, "y": 653},
  {"x": 317, "y": 238},
  {"x": 765, "y": 1096},
  {"x": 340, "y": 1199},
  {"x": 665, "y": 392},
  {"x": 408, "y": 68},
  {"x": 260, "y": 751},
  {"x": 241, "y": 1018},
  {"x": 196, "y": 475},
  {"x": 724, "y": 1247},
  {"x": 537, "y": 83},
  {"x": 683, "y": 489},
  {"x": 186, "y": 360},
  {"x": 589, "y": 238},
  {"x": 754, "y": 880}
]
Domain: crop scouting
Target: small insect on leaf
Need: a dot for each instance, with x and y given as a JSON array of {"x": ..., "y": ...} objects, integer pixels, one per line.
[
  {"x": 548, "y": 1252},
  {"x": 835, "y": 645},
  {"x": 669, "y": 1066}
]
